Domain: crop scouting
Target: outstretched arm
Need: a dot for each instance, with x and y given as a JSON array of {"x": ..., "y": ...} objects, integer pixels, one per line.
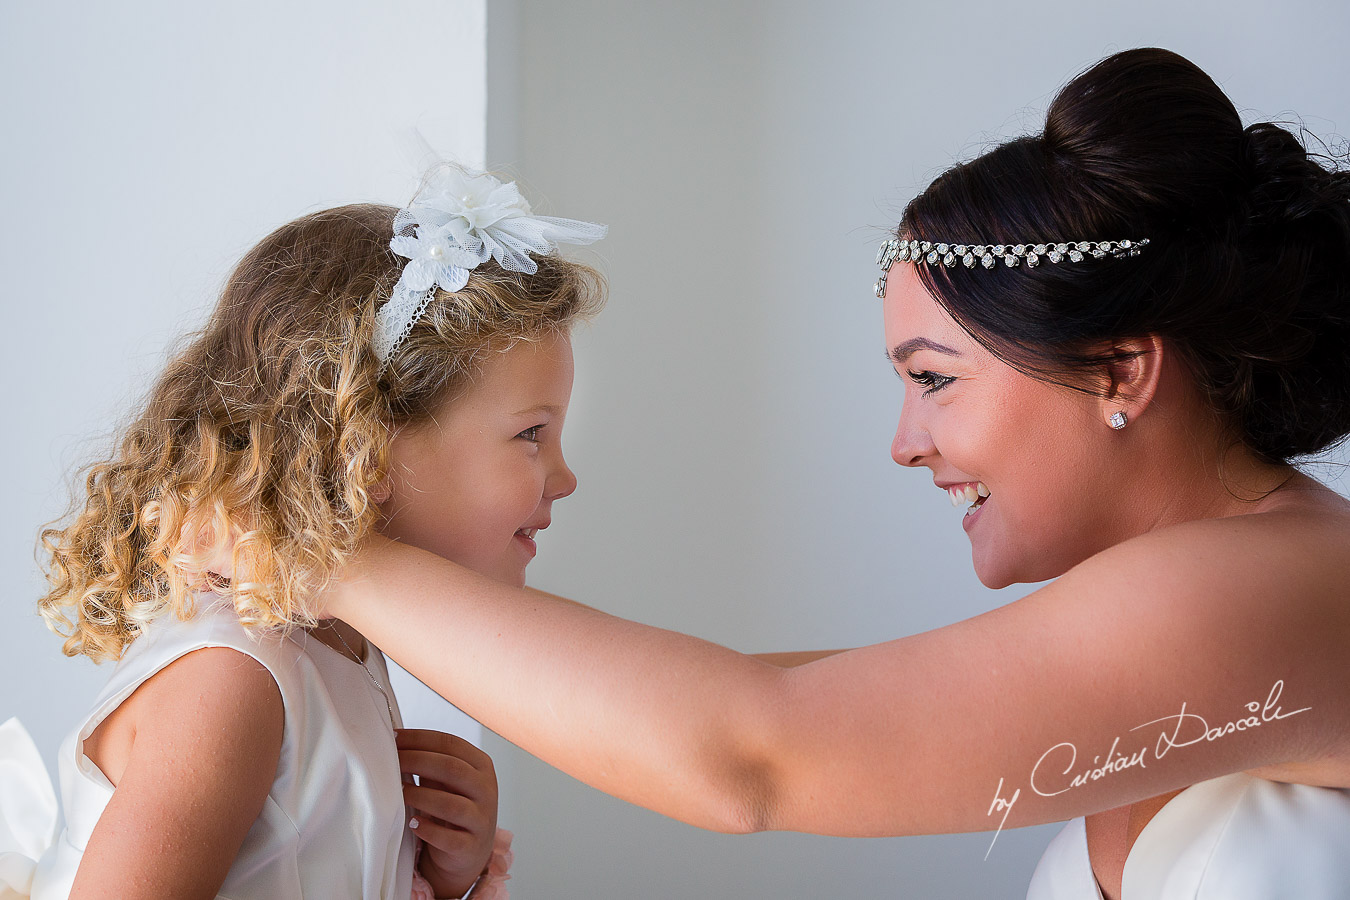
[
  {"x": 918, "y": 735},
  {"x": 793, "y": 658}
]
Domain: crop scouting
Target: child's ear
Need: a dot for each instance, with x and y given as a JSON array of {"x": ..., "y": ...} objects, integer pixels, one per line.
[{"x": 382, "y": 490}]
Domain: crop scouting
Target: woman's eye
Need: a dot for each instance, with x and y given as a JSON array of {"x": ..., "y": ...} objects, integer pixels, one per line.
[
  {"x": 531, "y": 434},
  {"x": 931, "y": 380}
]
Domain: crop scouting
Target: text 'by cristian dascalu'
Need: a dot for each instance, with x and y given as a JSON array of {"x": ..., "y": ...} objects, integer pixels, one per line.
[{"x": 1057, "y": 770}]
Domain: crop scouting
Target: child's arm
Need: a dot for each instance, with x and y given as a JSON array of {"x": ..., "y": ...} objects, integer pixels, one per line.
[
  {"x": 455, "y": 804},
  {"x": 207, "y": 737}
]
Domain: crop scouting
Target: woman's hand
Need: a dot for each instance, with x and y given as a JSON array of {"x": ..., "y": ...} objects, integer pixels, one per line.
[{"x": 454, "y": 806}]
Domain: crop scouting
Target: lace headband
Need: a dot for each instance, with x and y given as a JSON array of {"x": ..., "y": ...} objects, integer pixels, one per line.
[{"x": 458, "y": 221}]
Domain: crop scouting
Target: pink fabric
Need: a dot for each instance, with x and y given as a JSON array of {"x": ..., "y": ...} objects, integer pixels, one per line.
[
  {"x": 499, "y": 864},
  {"x": 490, "y": 885},
  {"x": 421, "y": 888}
]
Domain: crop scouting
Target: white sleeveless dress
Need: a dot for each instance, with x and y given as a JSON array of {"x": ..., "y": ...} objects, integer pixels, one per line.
[
  {"x": 1236, "y": 837},
  {"x": 334, "y": 824}
]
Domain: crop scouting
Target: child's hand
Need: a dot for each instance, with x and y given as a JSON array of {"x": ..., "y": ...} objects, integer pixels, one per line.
[{"x": 454, "y": 806}]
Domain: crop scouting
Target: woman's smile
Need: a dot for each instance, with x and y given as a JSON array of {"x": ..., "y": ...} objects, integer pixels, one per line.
[{"x": 975, "y": 421}]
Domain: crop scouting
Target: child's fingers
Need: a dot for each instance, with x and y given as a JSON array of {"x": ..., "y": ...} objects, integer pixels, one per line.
[
  {"x": 461, "y": 847},
  {"x": 449, "y": 773},
  {"x": 453, "y": 810},
  {"x": 440, "y": 742}
]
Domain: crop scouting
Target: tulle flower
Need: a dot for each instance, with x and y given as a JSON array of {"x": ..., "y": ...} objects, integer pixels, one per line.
[{"x": 457, "y": 222}]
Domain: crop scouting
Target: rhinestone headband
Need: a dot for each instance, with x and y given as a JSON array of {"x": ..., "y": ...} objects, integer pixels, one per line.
[{"x": 988, "y": 255}]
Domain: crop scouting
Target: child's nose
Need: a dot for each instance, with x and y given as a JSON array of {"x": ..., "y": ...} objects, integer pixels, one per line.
[{"x": 562, "y": 482}]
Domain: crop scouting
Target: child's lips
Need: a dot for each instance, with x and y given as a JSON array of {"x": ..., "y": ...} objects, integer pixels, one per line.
[
  {"x": 532, "y": 529},
  {"x": 526, "y": 537}
]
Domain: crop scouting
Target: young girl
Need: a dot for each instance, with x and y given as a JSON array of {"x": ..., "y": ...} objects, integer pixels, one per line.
[{"x": 346, "y": 383}]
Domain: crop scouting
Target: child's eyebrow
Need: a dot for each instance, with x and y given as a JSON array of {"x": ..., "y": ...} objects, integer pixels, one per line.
[{"x": 550, "y": 408}]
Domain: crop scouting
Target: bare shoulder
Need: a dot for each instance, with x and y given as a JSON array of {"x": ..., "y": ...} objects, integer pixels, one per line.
[
  {"x": 1185, "y": 654},
  {"x": 203, "y": 667},
  {"x": 1293, "y": 554},
  {"x": 1188, "y": 653},
  {"x": 205, "y": 736},
  {"x": 214, "y": 692},
  {"x": 209, "y": 687},
  {"x": 1268, "y": 590}
]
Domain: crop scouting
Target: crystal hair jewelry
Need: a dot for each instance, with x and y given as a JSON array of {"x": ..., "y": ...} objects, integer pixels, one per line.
[
  {"x": 1118, "y": 420},
  {"x": 942, "y": 253},
  {"x": 458, "y": 221}
]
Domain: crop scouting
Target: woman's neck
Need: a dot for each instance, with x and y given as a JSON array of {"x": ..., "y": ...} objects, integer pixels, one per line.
[{"x": 1216, "y": 485}]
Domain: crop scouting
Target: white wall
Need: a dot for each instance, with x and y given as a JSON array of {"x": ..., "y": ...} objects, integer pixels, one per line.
[
  {"x": 733, "y": 410},
  {"x": 147, "y": 147}
]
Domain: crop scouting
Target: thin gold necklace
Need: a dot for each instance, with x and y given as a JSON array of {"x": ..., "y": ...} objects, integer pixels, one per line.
[{"x": 373, "y": 680}]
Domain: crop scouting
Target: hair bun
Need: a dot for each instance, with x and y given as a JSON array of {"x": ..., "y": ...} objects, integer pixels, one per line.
[
  {"x": 1247, "y": 275},
  {"x": 1287, "y": 185},
  {"x": 1140, "y": 133}
]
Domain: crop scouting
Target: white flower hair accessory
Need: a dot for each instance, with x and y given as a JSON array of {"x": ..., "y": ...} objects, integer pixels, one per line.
[{"x": 458, "y": 221}]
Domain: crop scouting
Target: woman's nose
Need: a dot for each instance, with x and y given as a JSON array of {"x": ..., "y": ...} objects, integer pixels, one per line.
[{"x": 912, "y": 444}]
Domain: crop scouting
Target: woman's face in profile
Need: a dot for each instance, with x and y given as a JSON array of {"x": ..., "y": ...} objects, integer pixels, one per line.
[{"x": 1040, "y": 449}]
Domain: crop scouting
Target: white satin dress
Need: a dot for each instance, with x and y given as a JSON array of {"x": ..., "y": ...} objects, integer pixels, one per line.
[
  {"x": 334, "y": 824},
  {"x": 1237, "y": 837}
]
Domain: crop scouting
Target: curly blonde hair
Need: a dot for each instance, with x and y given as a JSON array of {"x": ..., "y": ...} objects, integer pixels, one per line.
[{"x": 274, "y": 424}]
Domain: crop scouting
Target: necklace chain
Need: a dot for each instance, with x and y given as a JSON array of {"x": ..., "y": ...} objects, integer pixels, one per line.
[{"x": 373, "y": 680}]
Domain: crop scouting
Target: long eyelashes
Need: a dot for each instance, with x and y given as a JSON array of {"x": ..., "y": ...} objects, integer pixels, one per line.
[{"x": 931, "y": 380}]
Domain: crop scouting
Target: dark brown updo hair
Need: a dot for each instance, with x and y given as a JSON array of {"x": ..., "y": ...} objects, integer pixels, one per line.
[{"x": 1246, "y": 276}]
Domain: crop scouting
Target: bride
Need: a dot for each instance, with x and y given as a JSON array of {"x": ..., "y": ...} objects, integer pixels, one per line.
[{"x": 1116, "y": 337}]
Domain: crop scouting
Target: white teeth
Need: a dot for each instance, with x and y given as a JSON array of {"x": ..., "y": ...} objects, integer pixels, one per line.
[{"x": 973, "y": 492}]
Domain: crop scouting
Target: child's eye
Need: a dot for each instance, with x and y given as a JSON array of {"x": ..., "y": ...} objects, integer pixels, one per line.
[
  {"x": 932, "y": 380},
  {"x": 531, "y": 434}
]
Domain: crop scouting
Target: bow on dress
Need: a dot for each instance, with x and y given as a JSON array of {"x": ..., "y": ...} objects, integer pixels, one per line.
[{"x": 28, "y": 811}]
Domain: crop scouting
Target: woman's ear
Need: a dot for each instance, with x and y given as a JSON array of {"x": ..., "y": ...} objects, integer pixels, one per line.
[{"x": 1131, "y": 379}]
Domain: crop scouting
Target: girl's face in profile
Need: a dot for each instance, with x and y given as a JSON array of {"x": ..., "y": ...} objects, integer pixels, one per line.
[
  {"x": 477, "y": 482},
  {"x": 971, "y": 418}
]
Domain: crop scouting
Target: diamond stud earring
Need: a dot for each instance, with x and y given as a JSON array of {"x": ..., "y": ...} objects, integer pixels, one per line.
[{"x": 1118, "y": 420}]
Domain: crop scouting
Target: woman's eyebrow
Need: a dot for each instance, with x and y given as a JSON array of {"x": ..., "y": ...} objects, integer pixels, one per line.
[{"x": 903, "y": 351}]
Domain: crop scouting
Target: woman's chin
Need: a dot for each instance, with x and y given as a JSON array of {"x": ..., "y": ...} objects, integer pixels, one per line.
[
  {"x": 998, "y": 567},
  {"x": 994, "y": 569},
  {"x": 994, "y": 580}
]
